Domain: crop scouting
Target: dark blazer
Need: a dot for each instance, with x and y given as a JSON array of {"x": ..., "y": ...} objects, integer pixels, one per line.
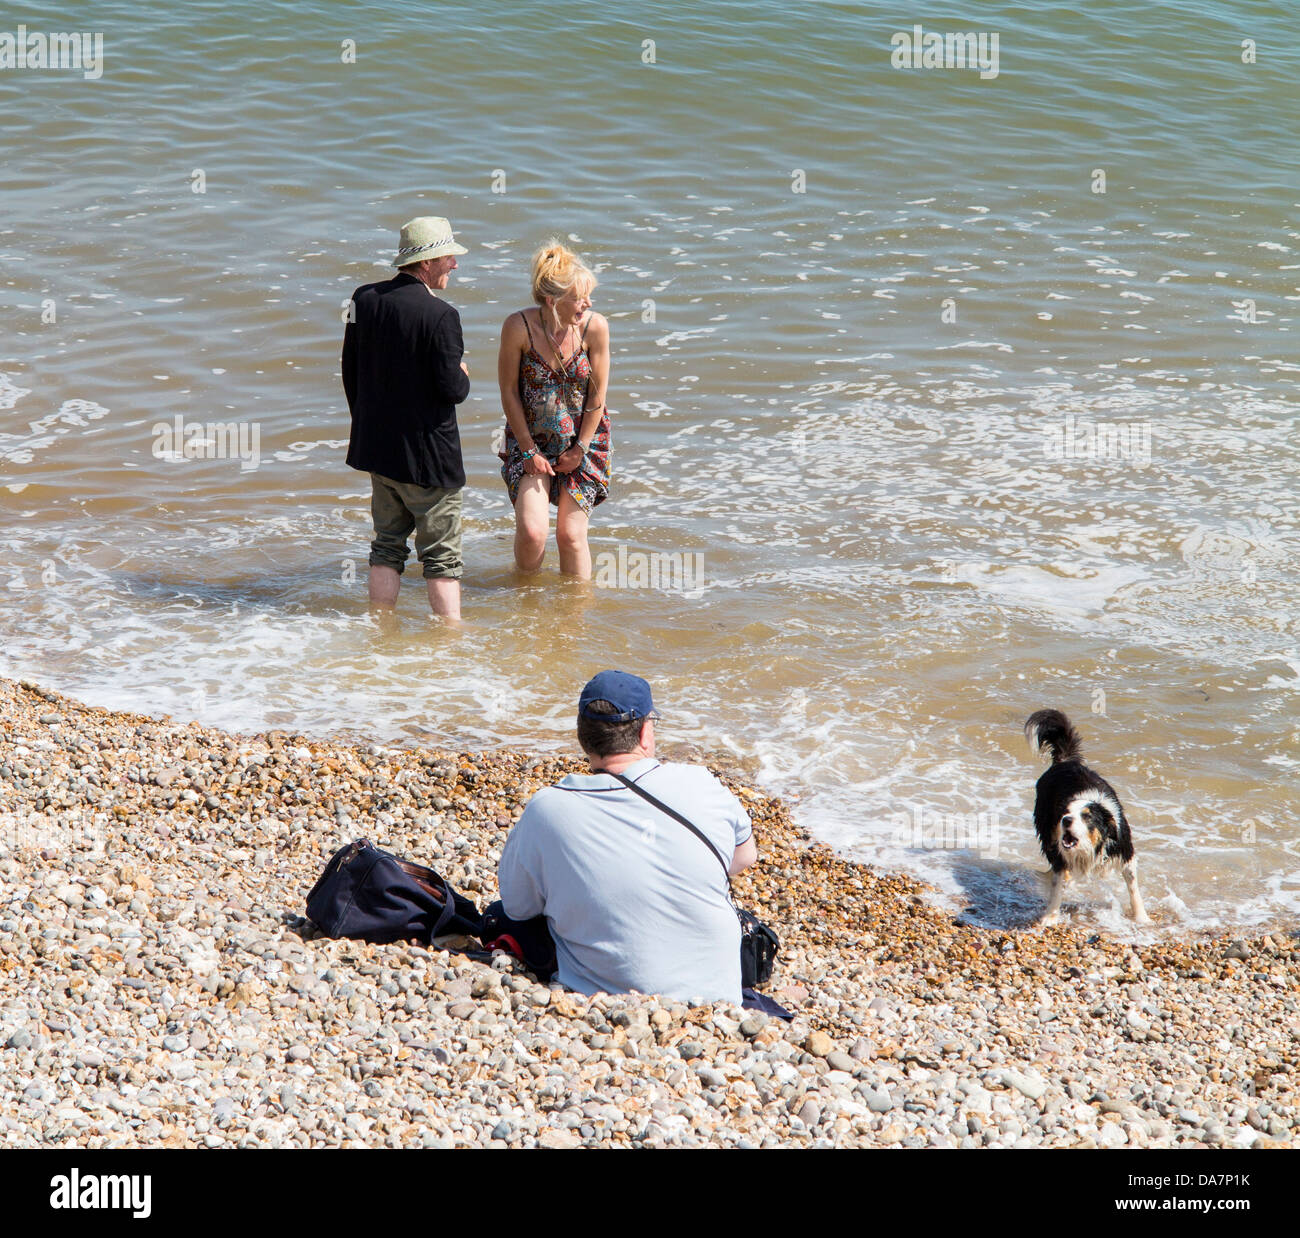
[{"x": 402, "y": 378}]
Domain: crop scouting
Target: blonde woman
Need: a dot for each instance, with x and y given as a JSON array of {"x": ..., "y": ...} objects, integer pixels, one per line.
[{"x": 553, "y": 368}]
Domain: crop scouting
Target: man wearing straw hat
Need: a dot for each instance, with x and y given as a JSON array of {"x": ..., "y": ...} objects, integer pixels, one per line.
[{"x": 403, "y": 375}]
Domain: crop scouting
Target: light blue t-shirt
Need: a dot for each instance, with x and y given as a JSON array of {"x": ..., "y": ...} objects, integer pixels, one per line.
[{"x": 634, "y": 900}]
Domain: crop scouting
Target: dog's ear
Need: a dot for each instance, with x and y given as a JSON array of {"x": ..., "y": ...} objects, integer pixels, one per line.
[{"x": 1103, "y": 820}]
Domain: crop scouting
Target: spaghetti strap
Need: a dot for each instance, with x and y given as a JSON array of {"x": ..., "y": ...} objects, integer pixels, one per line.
[
  {"x": 582, "y": 343},
  {"x": 527, "y": 328}
]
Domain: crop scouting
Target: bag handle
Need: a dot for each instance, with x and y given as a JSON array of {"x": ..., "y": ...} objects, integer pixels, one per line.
[
  {"x": 448, "y": 908},
  {"x": 425, "y": 878},
  {"x": 672, "y": 812}
]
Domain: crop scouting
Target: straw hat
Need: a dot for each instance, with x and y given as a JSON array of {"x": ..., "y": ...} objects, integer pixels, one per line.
[{"x": 426, "y": 237}]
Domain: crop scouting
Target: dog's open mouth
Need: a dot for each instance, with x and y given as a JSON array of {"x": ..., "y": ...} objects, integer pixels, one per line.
[{"x": 1069, "y": 842}]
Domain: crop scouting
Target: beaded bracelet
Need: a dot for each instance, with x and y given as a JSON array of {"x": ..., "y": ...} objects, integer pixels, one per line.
[{"x": 528, "y": 455}]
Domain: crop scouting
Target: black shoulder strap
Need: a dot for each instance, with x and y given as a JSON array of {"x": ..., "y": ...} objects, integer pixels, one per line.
[
  {"x": 672, "y": 812},
  {"x": 527, "y": 328}
]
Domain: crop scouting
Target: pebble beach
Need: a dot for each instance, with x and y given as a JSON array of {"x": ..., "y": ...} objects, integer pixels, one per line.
[{"x": 159, "y": 985}]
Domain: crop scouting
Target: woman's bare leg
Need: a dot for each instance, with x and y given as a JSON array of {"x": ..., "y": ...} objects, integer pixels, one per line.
[
  {"x": 571, "y": 537},
  {"x": 532, "y": 521}
]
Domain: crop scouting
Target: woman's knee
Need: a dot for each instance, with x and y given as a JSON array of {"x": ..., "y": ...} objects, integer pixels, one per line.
[
  {"x": 530, "y": 544},
  {"x": 571, "y": 532},
  {"x": 531, "y": 525}
]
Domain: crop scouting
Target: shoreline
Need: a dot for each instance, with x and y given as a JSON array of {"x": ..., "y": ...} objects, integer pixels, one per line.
[{"x": 163, "y": 869}]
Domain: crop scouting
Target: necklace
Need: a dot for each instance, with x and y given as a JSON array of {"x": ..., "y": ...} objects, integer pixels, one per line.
[{"x": 556, "y": 345}]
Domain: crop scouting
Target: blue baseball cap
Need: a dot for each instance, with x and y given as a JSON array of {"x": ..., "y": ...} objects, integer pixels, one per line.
[{"x": 628, "y": 694}]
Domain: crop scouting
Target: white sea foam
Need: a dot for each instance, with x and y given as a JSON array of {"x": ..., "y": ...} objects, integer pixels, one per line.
[{"x": 10, "y": 392}]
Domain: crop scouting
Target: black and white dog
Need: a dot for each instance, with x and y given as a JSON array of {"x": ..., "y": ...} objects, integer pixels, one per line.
[{"x": 1078, "y": 816}]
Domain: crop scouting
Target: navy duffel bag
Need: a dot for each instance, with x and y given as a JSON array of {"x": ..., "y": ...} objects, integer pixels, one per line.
[{"x": 373, "y": 896}]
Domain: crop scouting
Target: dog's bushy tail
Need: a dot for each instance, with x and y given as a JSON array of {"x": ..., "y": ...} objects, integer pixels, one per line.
[{"x": 1050, "y": 728}]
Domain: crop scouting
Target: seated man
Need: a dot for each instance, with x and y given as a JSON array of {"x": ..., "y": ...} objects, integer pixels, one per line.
[{"x": 634, "y": 899}]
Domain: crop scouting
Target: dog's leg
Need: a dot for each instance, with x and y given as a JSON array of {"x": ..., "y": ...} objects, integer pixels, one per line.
[
  {"x": 1138, "y": 912},
  {"x": 1053, "y": 913}
]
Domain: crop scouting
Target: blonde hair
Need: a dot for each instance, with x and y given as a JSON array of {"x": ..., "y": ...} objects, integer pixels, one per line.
[{"x": 557, "y": 270}]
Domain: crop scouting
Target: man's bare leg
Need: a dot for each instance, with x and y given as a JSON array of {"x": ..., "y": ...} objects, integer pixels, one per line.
[
  {"x": 444, "y": 596},
  {"x": 385, "y": 584}
]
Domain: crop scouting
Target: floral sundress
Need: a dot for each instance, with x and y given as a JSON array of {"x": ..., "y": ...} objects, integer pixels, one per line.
[{"x": 553, "y": 402}]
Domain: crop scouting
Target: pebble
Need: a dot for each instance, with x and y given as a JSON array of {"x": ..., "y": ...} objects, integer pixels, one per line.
[
  {"x": 1026, "y": 1086},
  {"x": 819, "y": 1044},
  {"x": 877, "y": 1101},
  {"x": 810, "y": 1113}
]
